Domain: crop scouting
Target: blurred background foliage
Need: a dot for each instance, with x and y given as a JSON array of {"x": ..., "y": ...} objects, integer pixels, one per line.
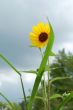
[{"x": 62, "y": 66}]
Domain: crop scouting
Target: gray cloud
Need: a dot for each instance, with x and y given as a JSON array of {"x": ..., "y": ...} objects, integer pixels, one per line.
[{"x": 16, "y": 20}]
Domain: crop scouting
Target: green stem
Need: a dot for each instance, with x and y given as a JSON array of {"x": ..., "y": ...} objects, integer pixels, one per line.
[
  {"x": 45, "y": 94},
  {"x": 25, "y": 101},
  {"x": 49, "y": 106},
  {"x": 44, "y": 87}
]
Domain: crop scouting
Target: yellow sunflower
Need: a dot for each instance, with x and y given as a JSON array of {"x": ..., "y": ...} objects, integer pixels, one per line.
[{"x": 40, "y": 35}]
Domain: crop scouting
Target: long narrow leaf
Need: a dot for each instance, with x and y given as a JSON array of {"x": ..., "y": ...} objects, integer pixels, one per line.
[
  {"x": 16, "y": 72},
  {"x": 52, "y": 54},
  {"x": 65, "y": 101},
  {"x": 30, "y": 71},
  {"x": 55, "y": 96},
  {"x": 37, "y": 97},
  {"x": 41, "y": 68},
  {"x": 10, "y": 64},
  {"x": 58, "y": 78},
  {"x": 8, "y": 101}
]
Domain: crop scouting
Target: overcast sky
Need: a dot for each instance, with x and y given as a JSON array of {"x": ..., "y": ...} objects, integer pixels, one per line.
[{"x": 16, "y": 20}]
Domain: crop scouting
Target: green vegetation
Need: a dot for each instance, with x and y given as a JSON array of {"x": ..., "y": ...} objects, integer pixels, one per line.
[
  {"x": 61, "y": 96},
  {"x": 62, "y": 83}
]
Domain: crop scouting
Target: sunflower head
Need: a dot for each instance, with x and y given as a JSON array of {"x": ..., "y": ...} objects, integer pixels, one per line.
[{"x": 40, "y": 35}]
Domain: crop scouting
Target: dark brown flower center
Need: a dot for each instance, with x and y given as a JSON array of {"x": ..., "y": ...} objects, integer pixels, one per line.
[{"x": 43, "y": 37}]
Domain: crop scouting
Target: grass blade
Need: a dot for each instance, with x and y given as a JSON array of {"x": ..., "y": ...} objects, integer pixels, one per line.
[
  {"x": 52, "y": 54},
  {"x": 58, "y": 78},
  {"x": 30, "y": 71},
  {"x": 65, "y": 101},
  {"x": 8, "y": 101},
  {"x": 10, "y": 64},
  {"x": 56, "y": 96},
  {"x": 41, "y": 68},
  {"x": 17, "y": 73}
]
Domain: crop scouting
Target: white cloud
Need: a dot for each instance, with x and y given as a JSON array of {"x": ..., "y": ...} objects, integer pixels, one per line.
[
  {"x": 10, "y": 84},
  {"x": 0, "y": 84},
  {"x": 29, "y": 77},
  {"x": 9, "y": 76},
  {"x": 68, "y": 46}
]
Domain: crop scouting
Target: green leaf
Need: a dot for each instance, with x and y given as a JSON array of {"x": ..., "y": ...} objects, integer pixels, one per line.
[
  {"x": 16, "y": 72},
  {"x": 58, "y": 78},
  {"x": 50, "y": 69},
  {"x": 2, "y": 104},
  {"x": 52, "y": 54},
  {"x": 36, "y": 97},
  {"x": 30, "y": 71},
  {"x": 47, "y": 68},
  {"x": 10, "y": 64},
  {"x": 65, "y": 101},
  {"x": 41, "y": 68},
  {"x": 8, "y": 101},
  {"x": 56, "y": 68},
  {"x": 56, "y": 96}
]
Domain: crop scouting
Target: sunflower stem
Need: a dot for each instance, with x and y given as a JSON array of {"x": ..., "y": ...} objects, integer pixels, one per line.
[
  {"x": 44, "y": 87},
  {"x": 49, "y": 106}
]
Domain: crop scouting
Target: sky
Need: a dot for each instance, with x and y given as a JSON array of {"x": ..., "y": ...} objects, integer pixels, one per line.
[{"x": 16, "y": 20}]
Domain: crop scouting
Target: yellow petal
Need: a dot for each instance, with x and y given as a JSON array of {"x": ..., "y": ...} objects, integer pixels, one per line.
[
  {"x": 35, "y": 30},
  {"x": 47, "y": 28},
  {"x": 35, "y": 43},
  {"x": 43, "y": 44},
  {"x": 41, "y": 27},
  {"x": 32, "y": 35}
]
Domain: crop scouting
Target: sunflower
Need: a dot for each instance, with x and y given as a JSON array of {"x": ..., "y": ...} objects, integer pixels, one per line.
[{"x": 40, "y": 35}]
